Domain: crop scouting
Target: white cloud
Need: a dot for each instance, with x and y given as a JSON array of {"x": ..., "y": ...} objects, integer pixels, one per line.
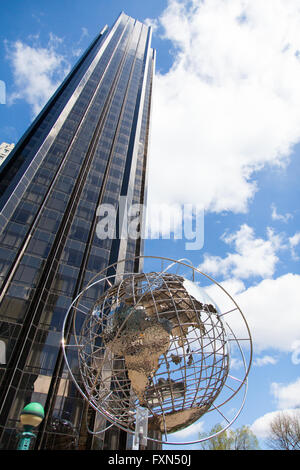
[
  {"x": 229, "y": 105},
  {"x": 271, "y": 309},
  {"x": 252, "y": 257},
  {"x": 296, "y": 352},
  {"x": 84, "y": 33},
  {"x": 287, "y": 396},
  {"x": 153, "y": 22},
  {"x": 264, "y": 361},
  {"x": 233, "y": 286},
  {"x": 37, "y": 71},
  {"x": 294, "y": 241},
  {"x": 261, "y": 426},
  {"x": 236, "y": 363},
  {"x": 287, "y": 402},
  {"x": 76, "y": 50},
  {"x": 280, "y": 217},
  {"x": 192, "y": 430},
  {"x": 163, "y": 219}
]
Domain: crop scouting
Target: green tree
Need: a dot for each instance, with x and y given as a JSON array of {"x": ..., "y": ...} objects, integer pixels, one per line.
[
  {"x": 232, "y": 439},
  {"x": 244, "y": 439}
]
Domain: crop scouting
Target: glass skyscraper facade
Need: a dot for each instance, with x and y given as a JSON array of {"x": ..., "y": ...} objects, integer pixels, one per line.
[{"x": 87, "y": 147}]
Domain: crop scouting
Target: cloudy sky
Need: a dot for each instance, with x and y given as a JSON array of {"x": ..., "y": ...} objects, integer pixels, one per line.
[{"x": 225, "y": 137}]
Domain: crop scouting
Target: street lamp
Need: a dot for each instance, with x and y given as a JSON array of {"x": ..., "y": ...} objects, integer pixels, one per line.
[{"x": 31, "y": 416}]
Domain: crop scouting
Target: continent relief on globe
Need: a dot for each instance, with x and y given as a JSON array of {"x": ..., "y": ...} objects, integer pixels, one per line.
[{"x": 141, "y": 332}]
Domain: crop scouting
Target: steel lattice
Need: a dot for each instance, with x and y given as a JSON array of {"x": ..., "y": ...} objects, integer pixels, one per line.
[{"x": 156, "y": 340}]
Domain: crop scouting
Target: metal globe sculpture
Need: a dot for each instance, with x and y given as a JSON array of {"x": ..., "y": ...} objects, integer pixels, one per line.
[{"x": 156, "y": 341}]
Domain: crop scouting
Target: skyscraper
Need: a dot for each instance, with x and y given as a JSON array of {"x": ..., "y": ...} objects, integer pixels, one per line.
[{"x": 87, "y": 148}]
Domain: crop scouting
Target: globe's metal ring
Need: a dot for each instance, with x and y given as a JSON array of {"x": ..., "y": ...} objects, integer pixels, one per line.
[{"x": 246, "y": 364}]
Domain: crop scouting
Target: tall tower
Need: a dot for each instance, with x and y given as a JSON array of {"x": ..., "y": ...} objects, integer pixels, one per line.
[{"x": 87, "y": 147}]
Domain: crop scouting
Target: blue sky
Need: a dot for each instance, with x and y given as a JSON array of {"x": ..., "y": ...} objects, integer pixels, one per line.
[{"x": 225, "y": 136}]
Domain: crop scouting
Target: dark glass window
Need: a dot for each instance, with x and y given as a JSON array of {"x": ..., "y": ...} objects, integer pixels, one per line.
[
  {"x": 13, "y": 235},
  {"x": 41, "y": 243}
]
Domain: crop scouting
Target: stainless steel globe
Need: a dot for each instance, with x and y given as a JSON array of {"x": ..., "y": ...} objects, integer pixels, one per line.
[{"x": 158, "y": 341}]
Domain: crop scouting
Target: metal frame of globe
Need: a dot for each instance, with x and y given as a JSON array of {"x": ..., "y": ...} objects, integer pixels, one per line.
[{"x": 111, "y": 394}]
